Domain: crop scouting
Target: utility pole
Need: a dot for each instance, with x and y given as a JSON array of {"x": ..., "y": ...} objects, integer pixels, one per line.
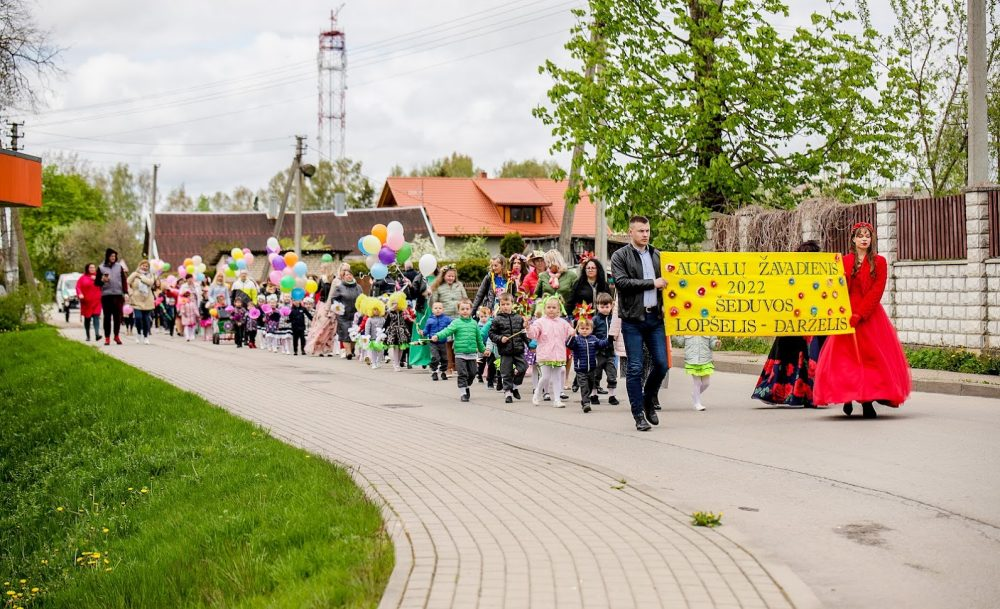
[
  {"x": 15, "y": 136},
  {"x": 299, "y": 141},
  {"x": 978, "y": 133},
  {"x": 292, "y": 172},
  {"x": 152, "y": 217},
  {"x": 601, "y": 245}
]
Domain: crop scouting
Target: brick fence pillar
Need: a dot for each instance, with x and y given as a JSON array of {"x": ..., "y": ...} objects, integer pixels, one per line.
[
  {"x": 975, "y": 298},
  {"x": 887, "y": 240}
]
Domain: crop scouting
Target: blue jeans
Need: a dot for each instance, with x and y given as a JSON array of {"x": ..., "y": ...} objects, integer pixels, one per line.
[
  {"x": 143, "y": 321},
  {"x": 93, "y": 320},
  {"x": 649, "y": 331}
]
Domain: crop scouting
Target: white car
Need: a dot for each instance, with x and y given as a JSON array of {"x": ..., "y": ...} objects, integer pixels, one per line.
[{"x": 66, "y": 292}]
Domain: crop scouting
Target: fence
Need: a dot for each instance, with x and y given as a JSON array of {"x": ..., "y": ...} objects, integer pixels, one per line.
[
  {"x": 994, "y": 220},
  {"x": 771, "y": 230},
  {"x": 931, "y": 229},
  {"x": 838, "y": 237}
]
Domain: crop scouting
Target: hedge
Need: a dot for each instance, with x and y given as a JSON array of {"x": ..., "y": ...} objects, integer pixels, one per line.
[{"x": 470, "y": 270}]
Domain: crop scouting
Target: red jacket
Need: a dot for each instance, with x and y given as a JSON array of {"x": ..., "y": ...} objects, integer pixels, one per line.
[
  {"x": 530, "y": 282},
  {"x": 89, "y": 295},
  {"x": 866, "y": 291}
]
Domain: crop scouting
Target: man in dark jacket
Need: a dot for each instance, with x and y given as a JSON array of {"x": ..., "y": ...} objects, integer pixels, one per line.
[
  {"x": 636, "y": 270},
  {"x": 507, "y": 333}
]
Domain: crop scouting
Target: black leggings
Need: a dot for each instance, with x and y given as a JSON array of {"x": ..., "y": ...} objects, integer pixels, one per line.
[{"x": 112, "y": 306}]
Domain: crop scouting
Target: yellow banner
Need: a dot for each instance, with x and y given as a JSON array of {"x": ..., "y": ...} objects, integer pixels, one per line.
[{"x": 755, "y": 294}]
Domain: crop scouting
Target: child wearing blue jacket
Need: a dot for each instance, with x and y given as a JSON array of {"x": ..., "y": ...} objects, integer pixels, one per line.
[
  {"x": 585, "y": 348},
  {"x": 439, "y": 350}
]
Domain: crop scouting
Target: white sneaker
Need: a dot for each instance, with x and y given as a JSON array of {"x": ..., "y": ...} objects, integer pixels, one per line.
[
  {"x": 699, "y": 407},
  {"x": 558, "y": 404},
  {"x": 534, "y": 400},
  {"x": 137, "y": 340},
  {"x": 147, "y": 340}
]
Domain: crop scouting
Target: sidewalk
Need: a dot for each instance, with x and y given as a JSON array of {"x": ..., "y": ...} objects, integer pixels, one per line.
[
  {"x": 927, "y": 381},
  {"x": 477, "y": 521}
]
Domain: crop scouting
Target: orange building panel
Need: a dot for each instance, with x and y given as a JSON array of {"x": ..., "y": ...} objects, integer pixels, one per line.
[{"x": 20, "y": 180}]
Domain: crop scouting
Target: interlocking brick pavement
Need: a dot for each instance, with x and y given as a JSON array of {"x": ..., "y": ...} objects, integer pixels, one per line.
[{"x": 476, "y": 521}]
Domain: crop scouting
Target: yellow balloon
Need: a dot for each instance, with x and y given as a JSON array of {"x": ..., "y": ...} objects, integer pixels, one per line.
[
  {"x": 371, "y": 244},
  {"x": 237, "y": 253},
  {"x": 311, "y": 287}
]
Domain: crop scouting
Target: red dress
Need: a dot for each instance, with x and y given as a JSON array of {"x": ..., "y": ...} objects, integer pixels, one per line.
[
  {"x": 90, "y": 303},
  {"x": 882, "y": 373}
]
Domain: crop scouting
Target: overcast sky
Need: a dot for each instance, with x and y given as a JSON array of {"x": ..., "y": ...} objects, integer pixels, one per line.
[{"x": 214, "y": 91}]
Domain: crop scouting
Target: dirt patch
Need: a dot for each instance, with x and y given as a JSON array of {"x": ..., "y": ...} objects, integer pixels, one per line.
[{"x": 864, "y": 533}]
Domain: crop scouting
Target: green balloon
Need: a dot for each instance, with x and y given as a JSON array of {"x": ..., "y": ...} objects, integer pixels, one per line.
[
  {"x": 327, "y": 258},
  {"x": 403, "y": 253},
  {"x": 232, "y": 265},
  {"x": 166, "y": 266},
  {"x": 287, "y": 283}
]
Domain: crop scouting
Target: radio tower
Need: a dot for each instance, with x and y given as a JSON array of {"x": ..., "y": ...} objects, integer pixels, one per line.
[{"x": 332, "y": 62}]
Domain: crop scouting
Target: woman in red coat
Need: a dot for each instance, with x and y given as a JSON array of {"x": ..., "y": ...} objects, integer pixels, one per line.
[
  {"x": 90, "y": 300},
  {"x": 868, "y": 366}
]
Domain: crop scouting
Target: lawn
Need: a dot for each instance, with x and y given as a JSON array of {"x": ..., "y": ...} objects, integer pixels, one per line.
[{"x": 120, "y": 490}]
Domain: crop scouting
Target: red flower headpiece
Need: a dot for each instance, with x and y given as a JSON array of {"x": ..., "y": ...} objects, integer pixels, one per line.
[
  {"x": 871, "y": 229},
  {"x": 586, "y": 255}
]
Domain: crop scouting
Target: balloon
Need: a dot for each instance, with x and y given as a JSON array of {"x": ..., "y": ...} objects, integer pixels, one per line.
[
  {"x": 166, "y": 266},
  {"x": 427, "y": 264},
  {"x": 127, "y": 310},
  {"x": 301, "y": 268},
  {"x": 196, "y": 259},
  {"x": 291, "y": 258},
  {"x": 241, "y": 264},
  {"x": 395, "y": 241},
  {"x": 380, "y": 232},
  {"x": 199, "y": 277},
  {"x": 370, "y": 245},
  {"x": 230, "y": 273},
  {"x": 300, "y": 282},
  {"x": 403, "y": 253},
  {"x": 232, "y": 265},
  {"x": 230, "y": 308},
  {"x": 189, "y": 268},
  {"x": 200, "y": 268},
  {"x": 236, "y": 253},
  {"x": 213, "y": 312},
  {"x": 188, "y": 261},
  {"x": 287, "y": 283},
  {"x": 272, "y": 244},
  {"x": 248, "y": 258},
  {"x": 254, "y": 313},
  {"x": 386, "y": 255},
  {"x": 171, "y": 281},
  {"x": 395, "y": 228},
  {"x": 275, "y": 277},
  {"x": 182, "y": 272},
  {"x": 326, "y": 258},
  {"x": 278, "y": 263},
  {"x": 285, "y": 310},
  {"x": 246, "y": 251},
  {"x": 298, "y": 294},
  {"x": 266, "y": 308},
  {"x": 288, "y": 271},
  {"x": 311, "y": 286},
  {"x": 379, "y": 271}
]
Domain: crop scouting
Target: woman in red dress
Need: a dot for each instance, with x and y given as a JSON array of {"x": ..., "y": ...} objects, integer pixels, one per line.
[
  {"x": 868, "y": 366},
  {"x": 90, "y": 300}
]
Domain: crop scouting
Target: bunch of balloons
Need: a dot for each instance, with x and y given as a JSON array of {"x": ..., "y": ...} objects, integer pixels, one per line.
[
  {"x": 384, "y": 247},
  {"x": 288, "y": 272},
  {"x": 193, "y": 266},
  {"x": 158, "y": 266}
]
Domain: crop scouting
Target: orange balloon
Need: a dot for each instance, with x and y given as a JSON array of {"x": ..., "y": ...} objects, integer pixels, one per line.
[
  {"x": 380, "y": 231},
  {"x": 291, "y": 258}
]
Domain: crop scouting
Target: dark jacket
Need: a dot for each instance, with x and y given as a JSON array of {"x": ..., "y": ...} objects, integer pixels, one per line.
[
  {"x": 585, "y": 351},
  {"x": 508, "y": 325},
  {"x": 415, "y": 291},
  {"x": 626, "y": 268},
  {"x": 435, "y": 324},
  {"x": 602, "y": 325},
  {"x": 486, "y": 295},
  {"x": 298, "y": 318},
  {"x": 347, "y": 294},
  {"x": 384, "y": 286}
]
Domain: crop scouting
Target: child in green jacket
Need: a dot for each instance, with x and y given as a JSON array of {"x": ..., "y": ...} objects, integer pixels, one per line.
[{"x": 468, "y": 345}]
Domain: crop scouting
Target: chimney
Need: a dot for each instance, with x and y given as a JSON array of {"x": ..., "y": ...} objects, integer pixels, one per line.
[
  {"x": 482, "y": 175},
  {"x": 272, "y": 208},
  {"x": 340, "y": 204}
]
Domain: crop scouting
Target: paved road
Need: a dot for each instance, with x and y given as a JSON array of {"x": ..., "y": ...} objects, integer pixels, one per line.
[{"x": 497, "y": 505}]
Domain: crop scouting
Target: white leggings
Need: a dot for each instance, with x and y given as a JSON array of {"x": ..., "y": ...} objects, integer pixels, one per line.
[
  {"x": 396, "y": 354},
  {"x": 700, "y": 386},
  {"x": 189, "y": 332},
  {"x": 552, "y": 382}
]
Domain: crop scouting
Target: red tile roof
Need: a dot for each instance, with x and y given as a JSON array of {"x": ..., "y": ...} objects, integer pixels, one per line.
[{"x": 469, "y": 206}]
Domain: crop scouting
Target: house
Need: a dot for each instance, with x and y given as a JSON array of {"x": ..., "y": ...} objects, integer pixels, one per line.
[
  {"x": 180, "y": 235},
  {"x": 459, "y": 208}
]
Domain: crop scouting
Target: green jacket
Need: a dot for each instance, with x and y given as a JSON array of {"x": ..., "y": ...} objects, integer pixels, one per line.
[
  {"x": 566, "y": 282},
  {"x": 467, "y": 336}
]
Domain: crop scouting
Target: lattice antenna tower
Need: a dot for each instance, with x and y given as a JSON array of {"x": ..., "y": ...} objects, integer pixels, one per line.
[{"x": 332, "y": 61}]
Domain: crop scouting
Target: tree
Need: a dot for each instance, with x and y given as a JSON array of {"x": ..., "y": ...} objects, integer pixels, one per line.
[
  {"x": 328, "y": 179},
  {"x": 454, "y": 166},
  {"x": 702, "y": 105},
  {"x": 26, "y": 55},
  {"x": 178, "y": 200},
  {"x": 121, "y": 190},
  {"x": 930, "y": 38},
  {"x": 66, "y": 199},
  {"x": 85, "y": 241},
  {"x": 530, "y": 168},
  {"x": 511, "y": 244},
  {"x": 396, "y": 170}
]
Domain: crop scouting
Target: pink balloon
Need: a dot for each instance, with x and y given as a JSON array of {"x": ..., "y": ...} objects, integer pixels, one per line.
[
  {"x": 182, "y": 272},
  {"x": 289, "y": 271},
  {"x": 266, "y": 308},
  {"x": 246, "y": 251},
  {"x": 230, "y": 309},
  {"x": 275, "y": 277},
  {"x": 254, "y": 313},
  {"x": 248, "y": 257},
  {"x": 285, "y": 310},
  {"x": 127, "y": 310},
  {"x": 171, "y": 281},
  {"x": 395, "y": 241}
]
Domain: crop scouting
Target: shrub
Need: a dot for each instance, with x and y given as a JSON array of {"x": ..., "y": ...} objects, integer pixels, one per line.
[
  {"x": 511, "y": 244},
  {"x": 13, "y": 310},
  {"x": 953, "y": 360},
  {"x": 470, "y": 270},
  {"x": 474, "y": 247}
]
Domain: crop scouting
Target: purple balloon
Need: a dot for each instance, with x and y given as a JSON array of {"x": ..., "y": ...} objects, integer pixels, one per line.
[
  {"x": 386, "y": 255},
  {"x": 254, "y": 313},
  {"x": 285, "y": 310},
  {"x": 278, "y": 263}
]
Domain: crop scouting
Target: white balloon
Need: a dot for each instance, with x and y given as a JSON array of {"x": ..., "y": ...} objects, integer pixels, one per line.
[
  {"x": 196, "y": 260},
  {"x": 394, "y": 227},
  {"x": 428, "y": 263},
  {"x": 272, "y": 243},
  {"x": 371, "y": 261}
]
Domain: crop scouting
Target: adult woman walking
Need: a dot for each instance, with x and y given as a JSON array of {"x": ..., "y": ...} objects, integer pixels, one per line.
[
  {"x": 114, "y": 285},
  {"x": 556, "y": 279},
  {"x": 592, "y": 281},
  {"x": 418, "y": 290},
  {"x": 789, "y": 372},
  {"x": 448, "y": 290},
  {"x": 218, "y": 288},
  {"x": 536, "y": 265},
  {"x": 868, "y": 366},
  {"x": 140, "y": 284},
  {"x": 345, "y": 295},
  {"x": 323, "y": 331},
  {"x": 89, "y": 294},
  {"x": 517, "y": 272},
  {"x": 492, "y": 284}
]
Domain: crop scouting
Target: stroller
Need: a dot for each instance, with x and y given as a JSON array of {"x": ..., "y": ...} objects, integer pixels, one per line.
[{"x": 224, "y": 330}]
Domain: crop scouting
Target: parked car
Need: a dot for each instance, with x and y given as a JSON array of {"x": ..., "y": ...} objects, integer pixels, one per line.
[{"x": 66, "y": 292}]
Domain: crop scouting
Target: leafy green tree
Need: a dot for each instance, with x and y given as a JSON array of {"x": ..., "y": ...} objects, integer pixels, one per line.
[
  {"x": 530, "y": 168},
  {"x": 66, "y": 198},
  {"x": 85, "y": 241},
  {"x": 178, "y": 200},
  {"x": 121, "y": 190},
  {"x": 512, "y": 243},
  {"x": 204, "y": 203},
  {"x": 329, "y": 178},
  {"x": 702, "y": 105},
  {"x": 454, "y": 166}
]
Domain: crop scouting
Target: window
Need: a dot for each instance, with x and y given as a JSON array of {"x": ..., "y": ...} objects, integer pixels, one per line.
[{"x": 522, "y": 214}]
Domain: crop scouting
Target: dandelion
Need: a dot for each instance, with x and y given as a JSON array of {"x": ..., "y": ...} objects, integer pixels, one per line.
[
  {"x": 96, "y": 554},
  {"x": 34, "y": 590},
  {"x": 59, "y": 509},
  {"x": 24, "y": 581},
  {"x": 105, "y": 530},
  {"x": 144, "y": 490},
  {"x": 108, "y": 570},
  {"x": 45, "y": 562},
  {"x": 11, "y": 593}
]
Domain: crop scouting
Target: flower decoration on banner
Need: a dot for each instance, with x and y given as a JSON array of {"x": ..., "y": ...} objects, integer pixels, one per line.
[
  {"x": 584, "y": 310},
  {"x": 585, "y": 256}
]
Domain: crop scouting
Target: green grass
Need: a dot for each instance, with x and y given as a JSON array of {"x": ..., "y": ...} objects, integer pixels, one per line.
[
  {"x": 953, "y": 360},
  {"x": 761, "y": 346},
  {"x": 186, "y": 505}
]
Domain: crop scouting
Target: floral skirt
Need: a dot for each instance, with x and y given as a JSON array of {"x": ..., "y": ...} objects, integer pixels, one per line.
[{"x": 789, "y": 372}]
